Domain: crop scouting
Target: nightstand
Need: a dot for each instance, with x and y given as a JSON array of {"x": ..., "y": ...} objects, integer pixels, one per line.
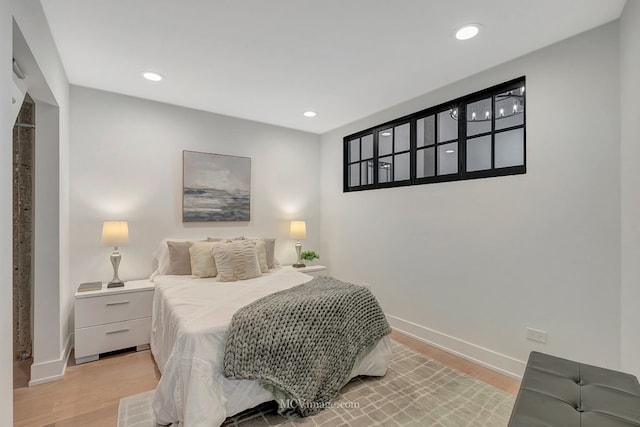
[
  {"x": 113, "y": 319},
  {"x": 311, "y": 270}
]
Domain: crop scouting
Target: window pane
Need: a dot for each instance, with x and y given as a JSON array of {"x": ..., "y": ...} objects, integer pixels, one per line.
[
  {"x": 479, "y": 117},
  {"x": 448, "y": 158},
  {"x": 426, "y": 162},
  {"x": 385, "y": 169},
  {"x": 510, "y": 148},
  {"x": 401, "y": 169},
  {"x": 385, "y": 139},
  {"x": 367, "y": 172},
  {"x": 426, "y": 131},
  {"x": 354, "y": 150},
  {"x": 367, "y": 146},
  {"x": 354, "y": 175},
  {"x": 401, "y": 137},
  {"x": 509, "y": 108},
  {"x": 447, "y": 126},
  {"x": 479, "y": 153}
]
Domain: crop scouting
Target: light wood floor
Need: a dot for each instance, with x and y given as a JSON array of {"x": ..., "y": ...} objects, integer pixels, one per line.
[
  {"x": 89, "y": 393},
  {"x": 481, "y": 373}
]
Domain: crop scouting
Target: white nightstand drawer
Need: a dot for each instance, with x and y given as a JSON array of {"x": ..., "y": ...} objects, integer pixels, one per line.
[
  {"x": 114, "y": 336},
  {"x": 103, "y": 309}
]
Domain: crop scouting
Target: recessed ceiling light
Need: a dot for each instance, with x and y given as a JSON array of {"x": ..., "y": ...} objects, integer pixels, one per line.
[
  {"x": 309, "y": 113},
  {"x": 154, "y": 77},
  {"x": 467, "y": 32},
  {"x": 450, "y": 151},
  {"x": 386, "y": 134}
]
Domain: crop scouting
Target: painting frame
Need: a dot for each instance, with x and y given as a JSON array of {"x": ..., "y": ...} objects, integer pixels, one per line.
[{"x": 215, "y": 187}]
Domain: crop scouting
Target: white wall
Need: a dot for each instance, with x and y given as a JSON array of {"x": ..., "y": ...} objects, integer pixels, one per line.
[
  {"x": 46, "y": 269},
  {"x": 126, "y": 163},
  {"x": 6, "y": 215},
  {"x": 630, "y": 177},
  {"x": 469, "y": 265},
  {"x": 49, "y": 87}
]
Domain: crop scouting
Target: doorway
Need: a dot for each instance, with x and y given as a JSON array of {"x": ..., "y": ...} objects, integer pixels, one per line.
[{"x": 23, "y": 213}]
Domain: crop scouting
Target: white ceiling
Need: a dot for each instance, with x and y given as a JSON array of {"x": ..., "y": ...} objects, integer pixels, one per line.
[{"x": 271, "y": 60}]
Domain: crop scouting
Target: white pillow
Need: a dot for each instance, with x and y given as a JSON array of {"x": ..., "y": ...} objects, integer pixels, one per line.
[
  {"x": 237, "y": 260},
  {"x": 261, "y": 250}
]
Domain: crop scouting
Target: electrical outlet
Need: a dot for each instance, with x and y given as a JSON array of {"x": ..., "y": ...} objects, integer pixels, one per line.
[{"x": 536, "y": 335}]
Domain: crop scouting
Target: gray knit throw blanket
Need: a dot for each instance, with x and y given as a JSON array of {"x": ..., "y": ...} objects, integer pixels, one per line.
[{"x": 303, "y": 343}]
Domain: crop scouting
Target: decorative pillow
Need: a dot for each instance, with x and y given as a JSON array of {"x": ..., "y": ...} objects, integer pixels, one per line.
[
  {"x": 202, "y": 262},
  {"x": 221, "y": 239},
  {"x": 161, "y": 256},
  {"x": 270, "y": 247},
  {"x": 179, "y": 258},
  {"x": 262, "y": 254},
  {"x": 237, "y": 260}
]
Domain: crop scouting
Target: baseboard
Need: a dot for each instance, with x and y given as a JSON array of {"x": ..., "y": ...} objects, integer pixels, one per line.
[
  {"x": 51, "y": 370},
  {"x": 501, "y": 363}
]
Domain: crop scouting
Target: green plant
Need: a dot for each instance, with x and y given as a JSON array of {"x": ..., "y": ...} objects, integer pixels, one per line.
[{"x": 309, "y": 255}]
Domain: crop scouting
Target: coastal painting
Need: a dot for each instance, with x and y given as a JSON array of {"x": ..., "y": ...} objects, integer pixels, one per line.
[{"x": 215, "y": 187}]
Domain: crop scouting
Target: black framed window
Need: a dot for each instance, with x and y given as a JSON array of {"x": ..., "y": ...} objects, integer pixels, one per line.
[
  {"x": 437, "y": 145},
  {"x": 476, "y": 136},
  {"x": 495, "y": 132},
  {"x": 360, "y": 161},
  {"x": 394, "y": 153}
]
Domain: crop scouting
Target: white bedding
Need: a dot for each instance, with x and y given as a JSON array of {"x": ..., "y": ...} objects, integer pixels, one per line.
[{"x": 189, "y": 329}]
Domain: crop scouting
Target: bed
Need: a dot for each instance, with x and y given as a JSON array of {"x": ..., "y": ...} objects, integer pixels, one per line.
[{"x": 191, "y": 318}]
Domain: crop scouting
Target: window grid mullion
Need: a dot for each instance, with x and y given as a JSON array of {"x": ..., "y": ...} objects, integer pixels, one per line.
[
  {"x": 493, "y": 131},
  {"x": 462, "y": 139},
  {"x": 375, "y": 156},
  {"x": 436, "y": 128},
  {"x": 392, "y": 171},
  {"x": 413, "y": 128}
]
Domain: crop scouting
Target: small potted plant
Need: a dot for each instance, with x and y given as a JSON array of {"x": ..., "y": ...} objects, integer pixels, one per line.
[{"x": 308, "y": 256}]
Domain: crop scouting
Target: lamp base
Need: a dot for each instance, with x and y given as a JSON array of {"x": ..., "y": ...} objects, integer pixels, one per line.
[
  {"x": 115, "y": 284},
  {"x": 299, "y": 265}
]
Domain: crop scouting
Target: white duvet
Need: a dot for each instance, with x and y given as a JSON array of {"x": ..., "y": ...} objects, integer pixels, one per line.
[{"x": 189, "y": 330}]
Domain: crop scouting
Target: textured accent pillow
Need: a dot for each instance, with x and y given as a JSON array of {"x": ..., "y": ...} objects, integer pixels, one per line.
[
  {"x": 179, "y": 258},
  {"x": 262, "y": 254},
  {"x": 202, "y": 262},
  {"x": 237, "y": 260}
]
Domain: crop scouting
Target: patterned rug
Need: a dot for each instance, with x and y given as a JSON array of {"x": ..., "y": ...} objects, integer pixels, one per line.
[{"x": 417, "y": 391}]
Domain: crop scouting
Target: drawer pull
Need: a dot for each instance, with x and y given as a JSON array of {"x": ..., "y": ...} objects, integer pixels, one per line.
[
  {"x": 117, "y": 303},
  {"x": 118, "y": 331}
]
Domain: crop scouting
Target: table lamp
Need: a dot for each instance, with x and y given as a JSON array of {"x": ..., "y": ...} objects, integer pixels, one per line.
[
  {"x": 298, "y": 230},
  {"x": 115, "y": 233}
]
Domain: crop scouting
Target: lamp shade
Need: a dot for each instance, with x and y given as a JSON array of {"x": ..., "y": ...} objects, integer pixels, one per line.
[
  {"x": 298, "y": 230},
  {"x": 115, "y": 233}
]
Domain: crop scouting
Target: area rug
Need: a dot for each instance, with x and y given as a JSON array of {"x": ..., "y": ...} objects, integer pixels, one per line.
[{"x": 417, "y": 391}]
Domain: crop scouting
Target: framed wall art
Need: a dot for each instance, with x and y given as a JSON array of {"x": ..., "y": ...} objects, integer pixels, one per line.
[{"x": 215, "y": 187}]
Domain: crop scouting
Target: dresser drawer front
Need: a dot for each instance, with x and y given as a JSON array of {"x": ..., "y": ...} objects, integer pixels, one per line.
[
  {"x": 112, "y": 308},
  {"x": 114, "y": 336}
]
